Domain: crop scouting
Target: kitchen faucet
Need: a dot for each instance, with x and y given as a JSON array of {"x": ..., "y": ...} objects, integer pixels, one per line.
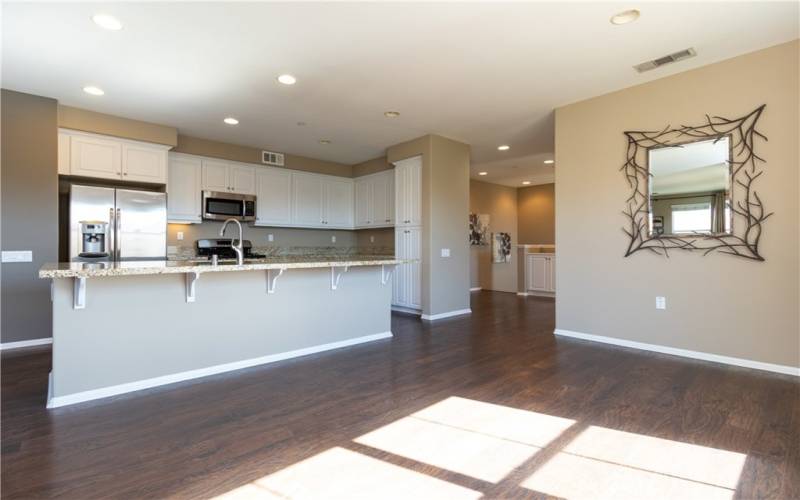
[{"x": 238, "y": 246}]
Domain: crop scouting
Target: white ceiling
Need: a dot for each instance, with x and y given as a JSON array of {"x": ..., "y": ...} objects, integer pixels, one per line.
[{"x": 484, "y": 73}]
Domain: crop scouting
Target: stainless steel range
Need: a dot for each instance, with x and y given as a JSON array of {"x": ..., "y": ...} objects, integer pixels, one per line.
[{"x": 221, "y": 247}]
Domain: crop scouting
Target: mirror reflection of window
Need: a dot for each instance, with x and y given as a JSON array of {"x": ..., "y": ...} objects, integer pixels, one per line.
[{"x": 690, "y": 188}]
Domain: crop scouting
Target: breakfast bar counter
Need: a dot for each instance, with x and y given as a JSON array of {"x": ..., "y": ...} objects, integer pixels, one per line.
[{"x": 126, "y": 326}]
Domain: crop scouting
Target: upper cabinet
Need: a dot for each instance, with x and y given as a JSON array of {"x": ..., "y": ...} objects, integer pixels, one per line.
[
  {"x": 104, "y": 157},
  {"x": 408, "y": 192},
  {"x": 183, "y": 189},
  {"x": 308, "y": 200},
  {"x": 338, "y": 211},
  {"x": 374, "y": 200},
  {"x": 228, "y": 177},
  {"x": 273, "y": 197}
]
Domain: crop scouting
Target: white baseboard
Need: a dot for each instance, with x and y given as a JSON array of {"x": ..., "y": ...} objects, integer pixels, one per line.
[
  {"x": 448, "y": 314},
  {"x": 475, "y": 289},
  {"x": 80, "y": 397},
  {"x": 674, "y": 351},
  {"x": 536, "y": 294},
  {"x": 26, "y": 343},
  {"x": 406, "y": 310}
]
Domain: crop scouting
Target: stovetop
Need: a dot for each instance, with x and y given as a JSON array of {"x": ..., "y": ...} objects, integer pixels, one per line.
[{"x": 222, "y": 248}]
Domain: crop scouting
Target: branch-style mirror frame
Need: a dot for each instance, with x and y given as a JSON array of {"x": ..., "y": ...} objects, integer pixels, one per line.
[{"x": 745, "y": 167}]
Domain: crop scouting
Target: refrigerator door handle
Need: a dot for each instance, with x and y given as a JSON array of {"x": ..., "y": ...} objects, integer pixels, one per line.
[
  {"x": 112, "y": 234},
  {"x": 117, "y": 235}
]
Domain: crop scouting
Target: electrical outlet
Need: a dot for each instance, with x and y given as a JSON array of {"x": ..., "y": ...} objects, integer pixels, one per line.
[
  {"x": 445, "y": 252},
  {"x": 333, "y": 239},
  {"x": 18, "y": 256},
  {"x": 372, "y": 239},
  {"x": 270, "y": 237},
  {"x": 661, "y": 302},
  {"x": 179, "y": 235}
]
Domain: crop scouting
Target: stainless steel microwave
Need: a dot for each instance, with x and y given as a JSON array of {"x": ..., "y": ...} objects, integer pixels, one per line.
[{"x": 218, "y": 205}]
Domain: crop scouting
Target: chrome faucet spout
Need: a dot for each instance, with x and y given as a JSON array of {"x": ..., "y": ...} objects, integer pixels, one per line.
[{"x": 238, "y": 247}]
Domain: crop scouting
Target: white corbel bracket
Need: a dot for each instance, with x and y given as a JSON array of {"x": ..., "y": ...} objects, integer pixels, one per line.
[
  {"x": 272, "y": 278},
  {"x": 387, "y": 275},
  {"x": 79, "y": 293},
  {"x": 191, "y": 281},
  {"x": 335, "y": 277}
]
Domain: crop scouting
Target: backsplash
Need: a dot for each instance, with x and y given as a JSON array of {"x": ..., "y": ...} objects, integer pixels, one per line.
[{"x": 184, "y": 252}]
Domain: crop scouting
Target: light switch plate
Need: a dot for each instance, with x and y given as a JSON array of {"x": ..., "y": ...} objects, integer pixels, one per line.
[
  {"x": 17, "y": 256},
  {"x": 661, "y": 302},
  {"x": 179, "y": 235},
  {"x": 372, "y": 239},
  {"x": 270, "y": 237},
  {"x": 333, "y": 239},
  {"x": 445, "y": 252}
]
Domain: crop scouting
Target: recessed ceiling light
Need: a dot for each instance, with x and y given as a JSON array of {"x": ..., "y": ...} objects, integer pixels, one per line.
[
  {"x": 482, "y": 173},
  {"x": 231, "y": 121},
  {"x": 287, "y": 79},
  {"x": 391, "y": 114},
  {"x": 91, "y": 89},
  {"x": 107, "y": 22},
  {"x": 526, "y": 182},
  {"x": 324, "y": 141},
  {"x": 504, "y": 147},
  {"x": 549, "y": 162},
  {"x": 625, "y": 17}
]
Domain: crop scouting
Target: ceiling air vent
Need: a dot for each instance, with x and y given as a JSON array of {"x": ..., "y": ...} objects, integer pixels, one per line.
[
  {"x": 270, "y": 158},
  {"x": 661, "y": 61}
]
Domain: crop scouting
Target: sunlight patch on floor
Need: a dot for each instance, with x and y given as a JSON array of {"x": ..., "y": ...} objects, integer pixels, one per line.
[
  {"x": 343, "y": 474},
  {"x": 522, "y": 426},
  {"x": 606, "y": 463}
]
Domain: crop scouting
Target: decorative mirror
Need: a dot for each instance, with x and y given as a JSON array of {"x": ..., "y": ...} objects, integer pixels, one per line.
[{"x": 693, "y": 188}]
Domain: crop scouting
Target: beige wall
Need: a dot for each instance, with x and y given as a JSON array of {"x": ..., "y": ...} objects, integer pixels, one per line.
[
  {"x": 715, "y": 304},
  {"x": 99, "y": 123},
  {"x": 29, "y": 210},
  {"x": 247, "y": 154},
  {"x": 500, "y": 202},
  {"x": 375, "y": 238},
  {"x": 282, "y": 236},
  {"x": 371, "y": 166},
  {"x": 536, "y": 214},
  {"x": 445, "y": 204}
]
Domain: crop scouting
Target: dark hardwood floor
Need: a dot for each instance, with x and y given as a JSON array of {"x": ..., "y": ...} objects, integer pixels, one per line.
[{"x": 210, "y": 436}]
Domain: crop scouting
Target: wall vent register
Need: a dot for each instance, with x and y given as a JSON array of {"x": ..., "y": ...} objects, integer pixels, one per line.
[{"x": 271, "y": 158}]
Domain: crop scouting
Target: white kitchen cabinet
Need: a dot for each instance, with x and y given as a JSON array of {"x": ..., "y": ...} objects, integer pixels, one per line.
[
  {"x": 407, "y": 284},
  {"x": 242, "y": 179},
  {"x": 338, "y": 205},
  {"x": 142, "y": 163},
  {"x": 184, "y": 187},
  {"x": 273, "y": 197},
  {"x": 63, "y": 153},
  {"x": 408, "y": 192},
  {"x": 97, "y": 157},
  {"x": 307, "y": 200},
  {"x": 540, "y": 273},
  {"x": 216, "y": 176},
  {"x": 375, "y": 200}
]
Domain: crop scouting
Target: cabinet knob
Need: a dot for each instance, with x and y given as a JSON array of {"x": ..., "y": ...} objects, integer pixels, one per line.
[{"x": 125, "y": 173}]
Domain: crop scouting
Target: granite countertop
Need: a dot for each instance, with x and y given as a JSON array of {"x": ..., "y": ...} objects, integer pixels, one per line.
[{"x": 138, "y": 268}]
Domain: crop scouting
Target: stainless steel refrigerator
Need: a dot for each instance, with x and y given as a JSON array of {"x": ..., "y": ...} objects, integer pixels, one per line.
[{"x": 107, "y": 224}]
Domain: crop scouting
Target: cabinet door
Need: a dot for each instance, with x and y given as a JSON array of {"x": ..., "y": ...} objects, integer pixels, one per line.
[
  {"x": 144, "y": 164},
  {"x": 307, "y": 200},
  {"x": 215, "y": 176},
  {"x": 538, "y": 268},
  {"x": 273, "y": 197},
  {"x": 63, "y": 154},
  {"x": 390, "y": 201},
  {"x": 415, "y": 269},
  {"x": 95, "y": 157},
  {"x": 183, "y": 190},
  {"x": 243, "y": 179},
  {"x": 400, "y": 200},
  {"x": 415, "y": 192},
  {"x": 383, "y": 193},
  {"x": 552, "y": 273},
  {"x": 339, "y": 203},
  {"x": 401, "y": 273},
  {"x": 364, "y": 199}
]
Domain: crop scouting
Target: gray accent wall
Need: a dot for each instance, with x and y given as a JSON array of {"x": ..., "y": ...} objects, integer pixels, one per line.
[{"x": 29, "y": 206}]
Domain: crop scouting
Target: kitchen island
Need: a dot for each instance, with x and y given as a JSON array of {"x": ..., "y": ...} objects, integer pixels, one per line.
[{"x": 127, "y": 326}]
